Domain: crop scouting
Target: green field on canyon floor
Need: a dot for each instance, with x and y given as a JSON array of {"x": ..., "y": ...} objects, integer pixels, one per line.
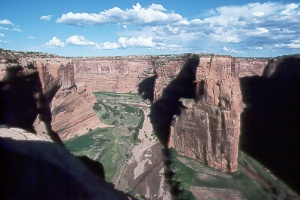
[
  {"x": 124, "y": 116},
  {"x": 251, "y": 181}
]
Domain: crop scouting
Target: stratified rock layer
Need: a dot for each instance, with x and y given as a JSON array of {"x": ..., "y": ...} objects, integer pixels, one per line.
[
  {"x": 72, "y": 107},
  {"x": 209, "y": 129},
  {"x": 111, "y": 74}
]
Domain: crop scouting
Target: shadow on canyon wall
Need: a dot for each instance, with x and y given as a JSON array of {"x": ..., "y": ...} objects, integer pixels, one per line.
[
  {"x": 163, "y": 110},
  {"x": 26, "y": 165},
  {"x": 16, "y": 91},
  {"x": 22, "y": 100},
  {"x": 270, "y": 123}
]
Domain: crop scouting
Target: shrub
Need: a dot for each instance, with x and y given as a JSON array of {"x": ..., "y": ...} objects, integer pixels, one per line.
[
  {"x": 97, "y": 106},
  {"x": 130, "y": 128},
  {"x": 105, "y": 116},
  {"x": 115, "y": 122}
]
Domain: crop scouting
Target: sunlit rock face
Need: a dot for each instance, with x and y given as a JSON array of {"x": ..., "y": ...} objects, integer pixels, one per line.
[
  {"x": 72, "y": 107},
  {"x": 209, "y": 129},
  {"x": 111, "y": 74}
]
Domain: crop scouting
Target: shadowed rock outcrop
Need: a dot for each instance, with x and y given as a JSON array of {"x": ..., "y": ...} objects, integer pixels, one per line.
[
  {"x": 44, "y": 170},
  {"x": 22, "y": 100},
  {"x": 270, "y": 120}
]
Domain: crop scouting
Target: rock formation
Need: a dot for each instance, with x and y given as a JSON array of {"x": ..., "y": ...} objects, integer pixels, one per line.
[
  {"x": 270, "y": 120},
  {"x": 111, "y": 74},
  {"x": 69, "y": 119},
  {"x": 209, "y": 129},
  {"x": 40, "y": 169}
]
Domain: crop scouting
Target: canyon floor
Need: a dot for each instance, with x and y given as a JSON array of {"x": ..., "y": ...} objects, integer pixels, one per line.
[
  {"x": 112, "y": 145},
  {"x": 132, "y": 158}
]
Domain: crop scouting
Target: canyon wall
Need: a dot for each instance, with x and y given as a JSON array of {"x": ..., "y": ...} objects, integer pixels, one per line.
[
  {"x": 111, "y": 74},
  {"x": 72, "y": 107},
  {"x": 209, "y": 129},
  {"x": 121, "y": 74}
]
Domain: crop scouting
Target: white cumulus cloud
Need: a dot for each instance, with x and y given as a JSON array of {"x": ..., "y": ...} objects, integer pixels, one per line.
[
  {"x": 136, "y": 42},
  {"x": 225, "y": 37},
  {"x": 4, "y": 28},
  {"x": 157, "y": 7},
  {"x": 258, "y": 13},
  {"x": 252, "y": 26},
  {"x": 10, "y": 29},
  {"x": 16, "y": 29},
  {"x": 125, "y": 42},
  {"x": 107, "y": 45},
  {"x": 45, "y": 17},
  {"x": 259, "y": 31},
  {"x": 137, "y": 15},
  {"x": 2, "y": 35},
  {"x": 256, "y": 48},
  {"x": 55, "y": 42},
  {"x": 293, "y": 44},
  {"x": 6, "y": 22},
  {"x": 79, "y": 41},
  {"x": 233, "y": 51},
  {"x": 289, "y": 9}
]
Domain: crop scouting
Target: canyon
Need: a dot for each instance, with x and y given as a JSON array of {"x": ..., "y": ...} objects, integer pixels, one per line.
[
  {"x": 208, "y": 130},
  {"x": 213, "y": 120}
]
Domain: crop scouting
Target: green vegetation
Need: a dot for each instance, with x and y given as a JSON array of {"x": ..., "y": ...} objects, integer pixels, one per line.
[
  {"x": 97, "y": 107},
  {"x": 251, "y": 180},
  {"x": 139, "y": 126},
  {"x": 112, "y": 145}
]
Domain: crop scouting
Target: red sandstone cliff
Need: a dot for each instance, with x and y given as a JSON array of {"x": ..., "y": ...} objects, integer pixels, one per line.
[
  {"x": 72, "y": 107},
  {"x": 111, "y": 74},
  {"x": 213, "y": 122},
  {"x": 209, "y": 129}
]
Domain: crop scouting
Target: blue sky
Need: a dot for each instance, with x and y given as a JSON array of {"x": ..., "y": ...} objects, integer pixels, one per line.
[{"x": 124, "y": 27}]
